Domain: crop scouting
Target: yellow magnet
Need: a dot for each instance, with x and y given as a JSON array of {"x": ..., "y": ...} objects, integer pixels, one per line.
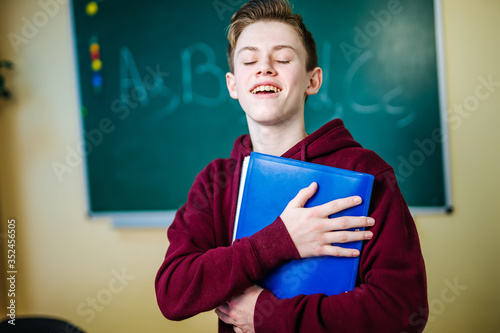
[
  {"x": 96, "y": 65},
  {"x": 92, "y": 8}
]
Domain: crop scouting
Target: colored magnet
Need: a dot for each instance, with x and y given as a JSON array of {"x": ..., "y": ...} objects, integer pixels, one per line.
[
  {"x": 97, "y": 80},
  {"x": 95, "y": 55},
  {"x": 96, "y": 65},
  {"x": 94, "y": 48},
  {"x": 92, "y": 8}
]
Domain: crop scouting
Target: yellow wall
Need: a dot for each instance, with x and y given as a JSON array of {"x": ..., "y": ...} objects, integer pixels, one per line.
[{"x": 64, "y": 258}]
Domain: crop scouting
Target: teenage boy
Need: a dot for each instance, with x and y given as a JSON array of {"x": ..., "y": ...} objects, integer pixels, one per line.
[{"x": 273, "y": 68}]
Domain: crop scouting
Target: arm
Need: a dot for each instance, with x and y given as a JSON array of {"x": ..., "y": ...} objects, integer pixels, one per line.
[
  {"x": 313, "y": 233},
  {"x": 200, "y": 271},
  {"x": 391, "y": 295}
]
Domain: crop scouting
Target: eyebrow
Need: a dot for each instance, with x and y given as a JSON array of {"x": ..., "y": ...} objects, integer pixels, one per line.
[{"x": 275, "y": 48}]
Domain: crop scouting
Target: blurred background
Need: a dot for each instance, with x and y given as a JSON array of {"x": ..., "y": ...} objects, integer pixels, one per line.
[{"x": 101, "y": 278}]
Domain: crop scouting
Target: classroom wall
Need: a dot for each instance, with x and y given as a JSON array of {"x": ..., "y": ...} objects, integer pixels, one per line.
[
  {"x": 462, "y": 247},
  {"x": 65, "y": 260}
]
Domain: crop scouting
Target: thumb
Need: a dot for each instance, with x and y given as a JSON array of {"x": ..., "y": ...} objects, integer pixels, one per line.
[{"x": 305, "y": 194}]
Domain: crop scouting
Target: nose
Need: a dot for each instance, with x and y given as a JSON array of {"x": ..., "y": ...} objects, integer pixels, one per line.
[{"x": 266, "y": 68}]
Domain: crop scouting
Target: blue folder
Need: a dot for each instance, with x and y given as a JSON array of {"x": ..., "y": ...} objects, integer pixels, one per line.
[{"x": 268, "y": 186}]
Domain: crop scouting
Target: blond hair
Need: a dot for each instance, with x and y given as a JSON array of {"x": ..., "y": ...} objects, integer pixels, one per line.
[{"x": 269, "y": 10}]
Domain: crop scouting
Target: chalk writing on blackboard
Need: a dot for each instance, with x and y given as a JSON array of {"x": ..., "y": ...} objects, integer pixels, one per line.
[
  {"x": 209, "y": 67},
  {"x": 385, "y": 100}
]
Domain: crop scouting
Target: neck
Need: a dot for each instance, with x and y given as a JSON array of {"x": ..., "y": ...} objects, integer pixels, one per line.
[{"x": 276, "y": 140}]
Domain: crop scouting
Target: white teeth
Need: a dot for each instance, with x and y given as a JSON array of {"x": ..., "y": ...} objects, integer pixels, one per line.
[{"x": 266, "y": 88}]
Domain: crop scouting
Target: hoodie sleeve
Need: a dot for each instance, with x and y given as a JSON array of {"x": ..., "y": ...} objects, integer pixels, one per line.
[
  {"x": 391, "y": 295},
  {"x": 201, "y": 271}
]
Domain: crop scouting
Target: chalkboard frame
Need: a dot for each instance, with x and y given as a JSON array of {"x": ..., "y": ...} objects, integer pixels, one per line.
[
  {"x": 441, "y": 74},
  {"x": 133, "y": 219}
]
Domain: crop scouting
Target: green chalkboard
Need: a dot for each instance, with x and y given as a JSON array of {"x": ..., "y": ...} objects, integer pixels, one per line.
[{"x": 155, "y": 108}]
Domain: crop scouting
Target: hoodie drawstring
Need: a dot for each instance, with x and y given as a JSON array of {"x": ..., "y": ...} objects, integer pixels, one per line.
[{"x": 303, "y": 152}]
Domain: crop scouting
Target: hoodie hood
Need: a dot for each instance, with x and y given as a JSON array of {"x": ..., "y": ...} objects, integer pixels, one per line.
[{"x": 329, "y": 138}]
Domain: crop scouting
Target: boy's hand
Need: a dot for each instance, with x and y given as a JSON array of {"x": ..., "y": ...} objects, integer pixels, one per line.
[
  {"x": 313, "y": 232},
  {"x": 239, "y": 312}
]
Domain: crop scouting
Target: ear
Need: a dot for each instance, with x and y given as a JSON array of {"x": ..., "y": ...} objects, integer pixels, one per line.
[
  {"x": 231, "y": 85},
  {"x": 315, "y": 81}
]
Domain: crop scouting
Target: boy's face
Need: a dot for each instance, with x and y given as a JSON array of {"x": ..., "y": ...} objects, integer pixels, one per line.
[{"x": 270, "y": 78}]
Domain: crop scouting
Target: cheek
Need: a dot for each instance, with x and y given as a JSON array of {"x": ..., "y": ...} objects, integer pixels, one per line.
[
  {"x": 239, "y": 78},
  {"x": 295, "y": 83},
  {"x": 299, "y": 80}
]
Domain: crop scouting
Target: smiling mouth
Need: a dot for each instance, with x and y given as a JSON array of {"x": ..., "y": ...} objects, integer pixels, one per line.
[{"x": 264, "y": 89}]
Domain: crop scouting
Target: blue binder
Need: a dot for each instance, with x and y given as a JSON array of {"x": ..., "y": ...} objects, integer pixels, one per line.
[{"x": 269, "y": 185}]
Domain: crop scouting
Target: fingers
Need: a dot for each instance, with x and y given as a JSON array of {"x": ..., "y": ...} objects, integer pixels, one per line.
[
  {"x": 224, "y": 317},
  {"x": 304, "y": 195},
  {"x": 347, "y": 222},
  {"x": 346, "y": 236},
  {"x": 336, "y": 251},
  {"x": 254, "y": 288},
  {"x": 224, "y": 308},
  {"x": 338, "y": 205},
  {"x": 339, "y": 237}
]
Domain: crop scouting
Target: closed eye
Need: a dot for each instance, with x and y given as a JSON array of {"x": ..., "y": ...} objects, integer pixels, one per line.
[
  {"x": 283, "y": 61},
  {"x": 249, "y": 63}
]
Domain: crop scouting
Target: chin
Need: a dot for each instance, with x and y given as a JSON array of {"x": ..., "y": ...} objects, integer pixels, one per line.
[
  {"x": 264, "y": 117},
  {"x": 267, "y": 121}
]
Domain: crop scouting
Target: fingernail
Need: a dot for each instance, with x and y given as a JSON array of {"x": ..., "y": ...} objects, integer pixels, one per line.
[
  {"x": 371, "y": 221},
  {"x": 355, "y": 253},
  {"x": 368, "y": 235},
  {"x": 312, "y": 184},
  {"x": 357, "y": 200}
]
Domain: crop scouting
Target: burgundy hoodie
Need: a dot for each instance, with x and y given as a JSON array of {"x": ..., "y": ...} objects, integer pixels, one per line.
[{"x": 203, "y": 270}]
